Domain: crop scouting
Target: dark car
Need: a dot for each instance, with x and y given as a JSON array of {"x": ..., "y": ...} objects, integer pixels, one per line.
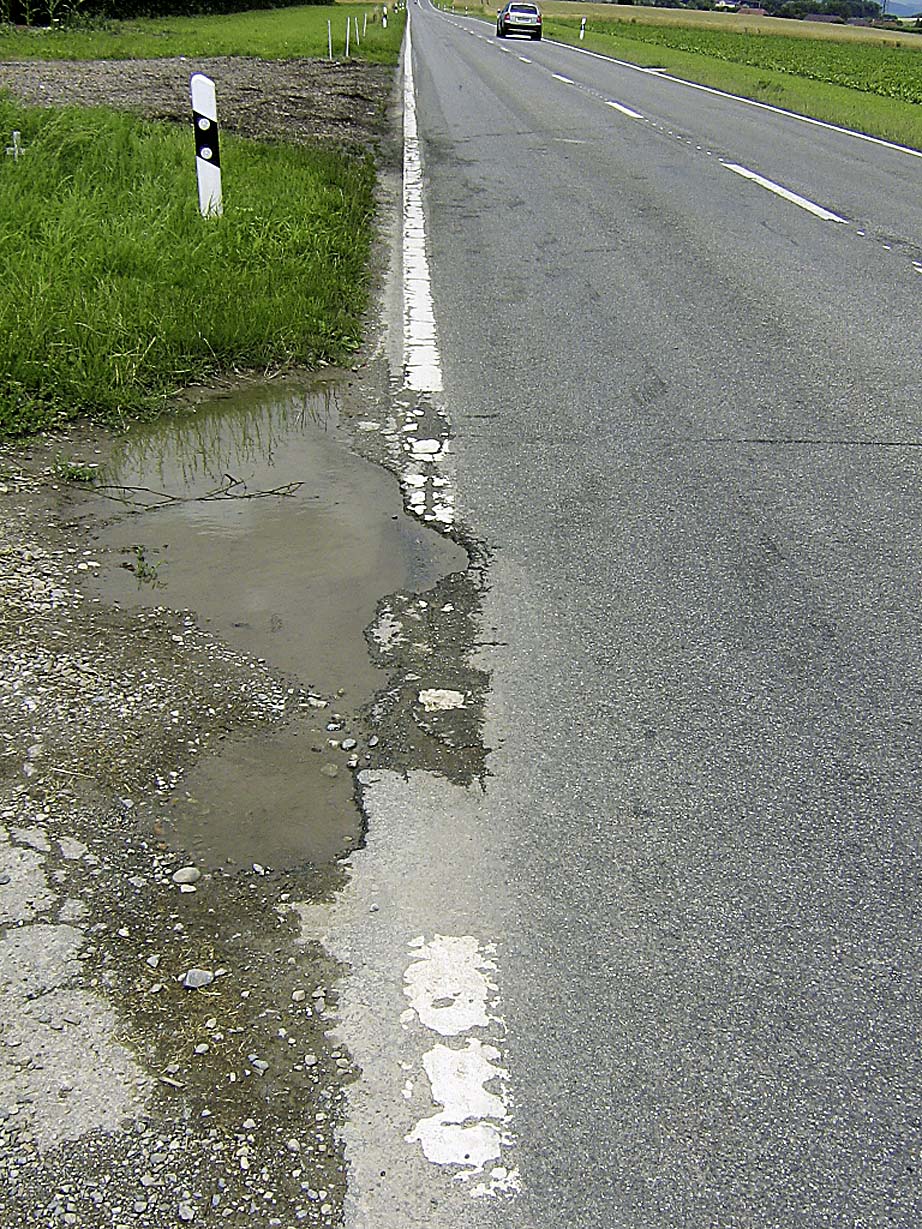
[{"x": 518, "y": 17}]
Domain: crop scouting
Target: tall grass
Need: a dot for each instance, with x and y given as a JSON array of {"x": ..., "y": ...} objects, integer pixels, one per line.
[
  {"x": 114, "y": 291},
  {"x": 273, "y": 34}
]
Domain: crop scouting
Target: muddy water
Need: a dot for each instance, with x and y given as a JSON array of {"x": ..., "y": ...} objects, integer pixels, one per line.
[{"x": 253, "y": 512}]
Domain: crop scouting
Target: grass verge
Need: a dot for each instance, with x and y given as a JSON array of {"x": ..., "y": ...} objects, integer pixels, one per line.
[
  {"x": 114, "y": 292},
  {"x": 271, "y": 34}
]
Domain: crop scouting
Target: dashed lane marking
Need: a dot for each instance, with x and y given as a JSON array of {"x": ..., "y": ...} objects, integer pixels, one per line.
[
  {"x": 619, "y": 106},
  {"x": 785, "y": 193}
]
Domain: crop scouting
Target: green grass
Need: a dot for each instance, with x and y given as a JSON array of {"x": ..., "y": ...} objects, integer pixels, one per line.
[
  {"x": 114, "y": 292},
  {"x": 272, "y": 34}
]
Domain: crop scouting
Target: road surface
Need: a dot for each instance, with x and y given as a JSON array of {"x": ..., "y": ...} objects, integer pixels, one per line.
[{"x": 663, "y": 969}]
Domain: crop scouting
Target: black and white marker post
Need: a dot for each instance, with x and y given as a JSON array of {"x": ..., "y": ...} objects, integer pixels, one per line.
[{"x": 207, "y": 154}]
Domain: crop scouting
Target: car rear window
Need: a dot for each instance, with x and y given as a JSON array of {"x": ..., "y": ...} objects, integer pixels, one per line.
[{"x": 523, "y": 8}]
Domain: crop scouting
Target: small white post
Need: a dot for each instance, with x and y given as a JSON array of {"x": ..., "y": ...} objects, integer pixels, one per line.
[
  {"x": 17, "y": 149},
  {"x": 347, "y": 38},
  {"x": 358, "y": 42},
  {"x": 582, "y": 29},
  {"x": 384, "y": 17},
  {"x": 207, "y": 154},
  {"x": 330, "y": 39},
  {"x": 364, "y": 23}
]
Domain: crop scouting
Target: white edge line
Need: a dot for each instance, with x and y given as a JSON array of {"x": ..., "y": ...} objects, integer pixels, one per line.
[
  {"x": 794, "y": 197},
  {"x": 422, "y": 367}
]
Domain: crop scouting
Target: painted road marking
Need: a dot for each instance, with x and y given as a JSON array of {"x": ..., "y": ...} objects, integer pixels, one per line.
[
  {"x": 422, "y": 366},
  {"x": 451, "y": 988},
  {"x": 785, "y": 193},
  {"x": 618, "y": 106},
  {"x": 524, "y": 59},
  {"x": 565, "y": 80}
]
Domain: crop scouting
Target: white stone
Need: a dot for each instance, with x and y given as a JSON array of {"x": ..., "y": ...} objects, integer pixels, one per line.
[{"x": 439, "y": 699}]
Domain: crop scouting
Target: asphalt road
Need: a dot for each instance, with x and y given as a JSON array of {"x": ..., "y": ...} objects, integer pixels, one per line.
[{"x": 687, "y": 422}]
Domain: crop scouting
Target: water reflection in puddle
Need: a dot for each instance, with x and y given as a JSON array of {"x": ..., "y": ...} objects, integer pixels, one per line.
[{"x": 252, "y": 512}]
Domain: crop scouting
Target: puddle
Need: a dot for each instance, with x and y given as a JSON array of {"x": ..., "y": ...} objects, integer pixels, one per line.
[{"x": 252, "y": 512}]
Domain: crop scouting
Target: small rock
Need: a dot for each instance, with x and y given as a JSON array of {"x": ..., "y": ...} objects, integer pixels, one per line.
[
  {"x": 186, "y": 1212},
  {"x": 293, "y": 1145},
  {"x": 196, "y": 979},
  {"x": 348, "y": 744},
  {"x": 330, "y": 770},
  {"x": 187, "y": 874}
]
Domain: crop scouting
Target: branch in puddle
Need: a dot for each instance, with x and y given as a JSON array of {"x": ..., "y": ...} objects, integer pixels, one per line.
[{"x": 231, "y": 488}]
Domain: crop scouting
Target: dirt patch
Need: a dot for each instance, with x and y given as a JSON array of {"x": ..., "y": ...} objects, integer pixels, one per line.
[{"x": 302, "y": 101}]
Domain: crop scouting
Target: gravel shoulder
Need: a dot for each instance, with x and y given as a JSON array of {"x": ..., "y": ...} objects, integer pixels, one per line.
[
  {"x": 163, "y": 1053},
  {"x": 301, "y": 101}
]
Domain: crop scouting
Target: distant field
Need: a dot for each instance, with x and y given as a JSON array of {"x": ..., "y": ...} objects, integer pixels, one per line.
[
  {"x": 271, "y": 34},
  {"x": 737, "y": 23},
  {"x": 870, "y": 80}
]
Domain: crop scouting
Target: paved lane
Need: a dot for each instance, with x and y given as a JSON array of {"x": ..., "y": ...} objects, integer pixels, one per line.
[{"x": 687, "y": 424}]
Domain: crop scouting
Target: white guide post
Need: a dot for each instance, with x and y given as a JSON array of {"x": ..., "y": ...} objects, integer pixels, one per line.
[
  {"x": 582, "y": 29},
  {"x": 207, "y": 153},
  {"x": 347, "y": 38},
  {"x": 17, "y": 149},
  {"x": 384, "y": 17},
  {"x": 358, "y": 41},
  {"x": 330, "y": 39}
]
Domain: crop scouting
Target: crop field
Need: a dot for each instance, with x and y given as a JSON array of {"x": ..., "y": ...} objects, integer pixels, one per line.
[{"x": 734, "y": 23}]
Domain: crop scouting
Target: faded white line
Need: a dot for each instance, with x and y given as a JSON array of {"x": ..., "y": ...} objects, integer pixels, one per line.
[
  {"x": 785, "y": 193},
  {"x": 422, "y": 367},
  {"x": 618, "y": 106},
  {"x": 524, "y": 59},
  {"x": 451, "y": 989},
  {"x": 565, "y": 80}
]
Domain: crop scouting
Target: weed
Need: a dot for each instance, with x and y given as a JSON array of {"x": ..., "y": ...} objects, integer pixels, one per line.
[
  {"x": 74, "y": 471},
  {"x": 147, "y": 573}
]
